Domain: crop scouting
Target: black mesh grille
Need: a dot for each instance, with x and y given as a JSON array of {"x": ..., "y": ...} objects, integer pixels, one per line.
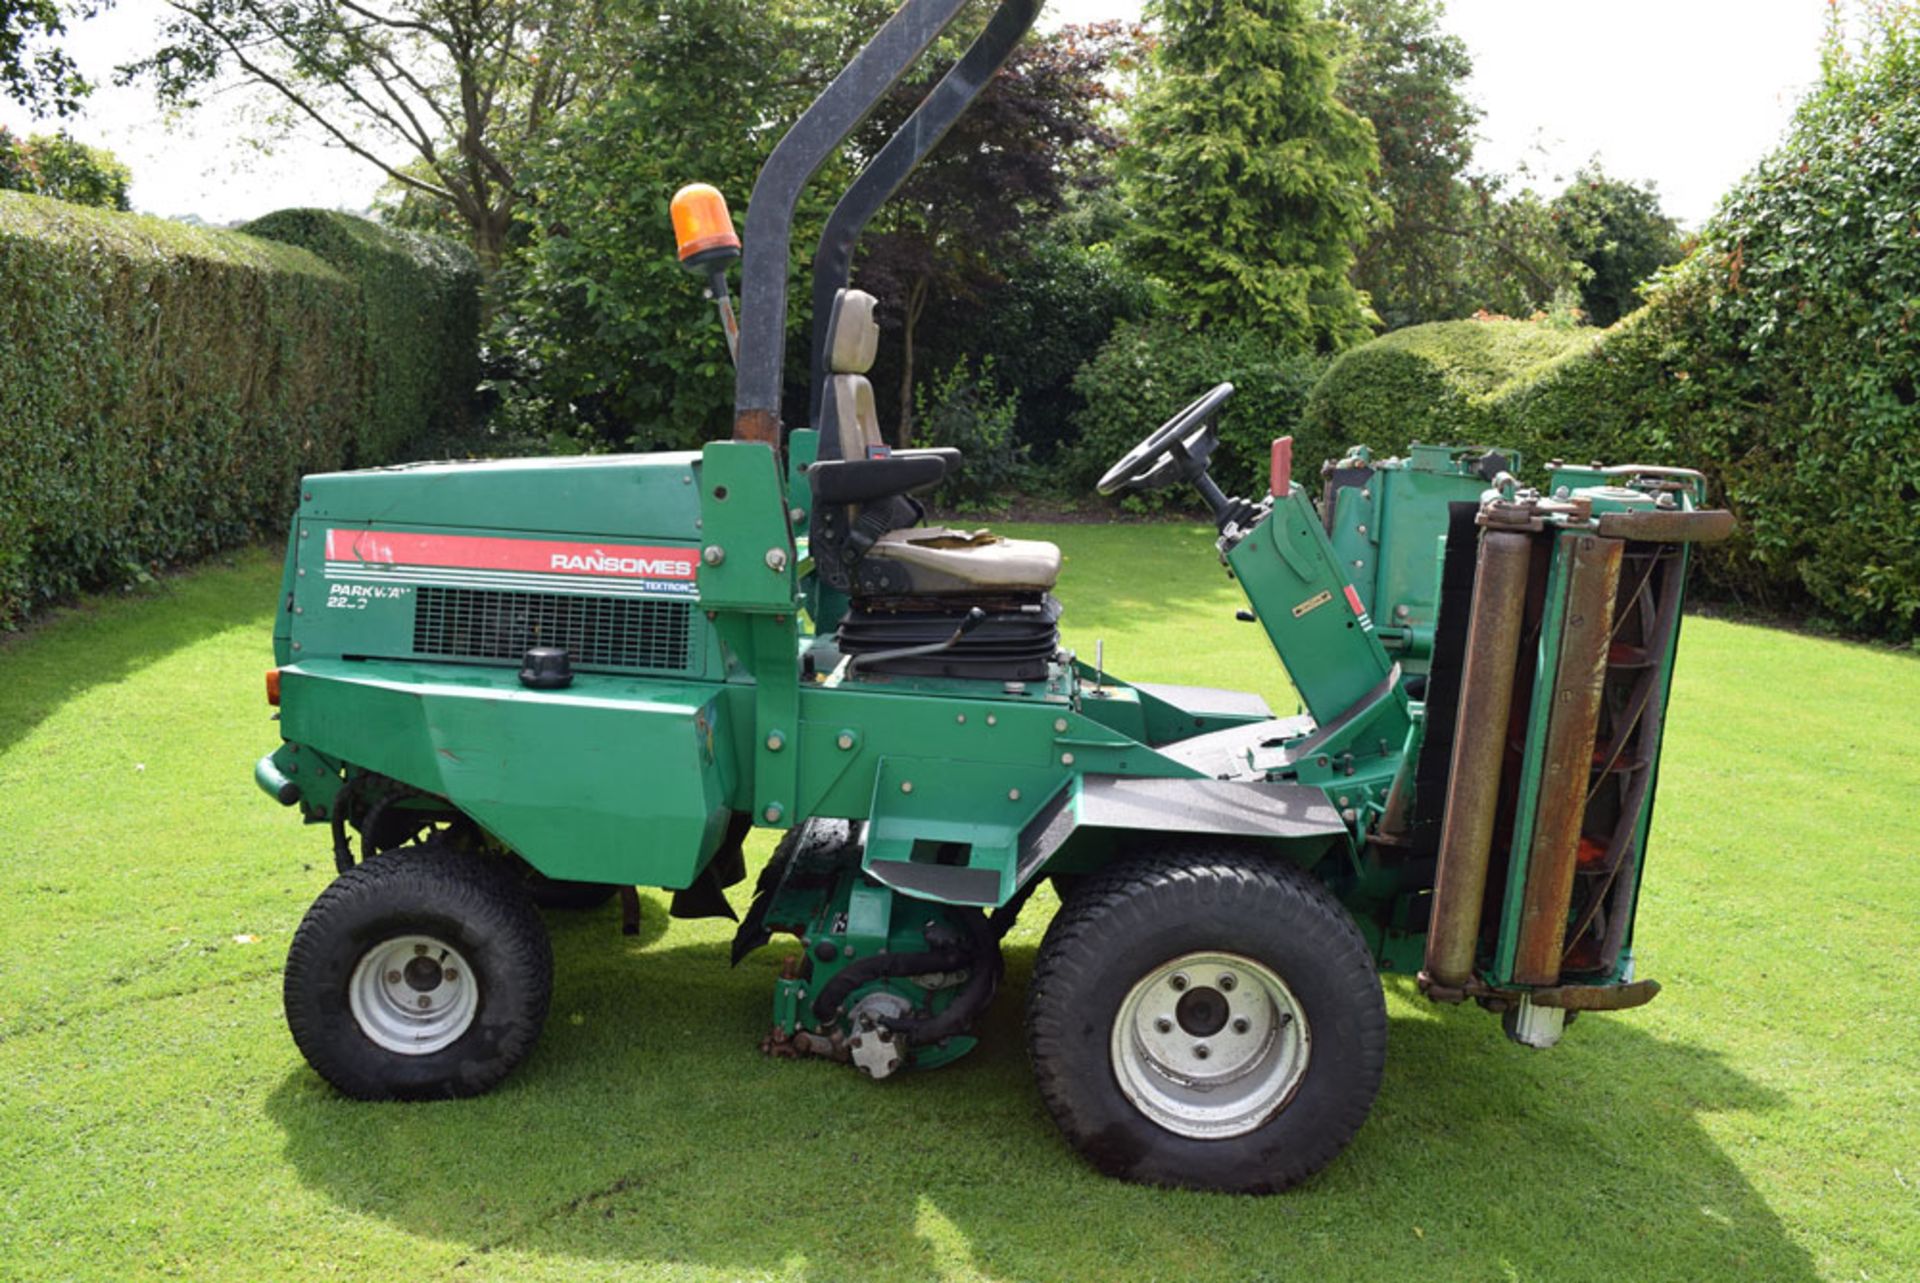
[{"x": 605, "y": 632}]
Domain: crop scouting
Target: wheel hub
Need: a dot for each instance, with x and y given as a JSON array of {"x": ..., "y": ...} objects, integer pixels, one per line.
[
  {"x": 1210, "y": 1045},
  {"x": 413, "y": 994}
]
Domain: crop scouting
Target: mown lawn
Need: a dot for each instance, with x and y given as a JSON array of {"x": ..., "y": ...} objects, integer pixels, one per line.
[{"x": 1760, "y": 1121}]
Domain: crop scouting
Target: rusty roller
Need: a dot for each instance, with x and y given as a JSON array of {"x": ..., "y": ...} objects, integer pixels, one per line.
[
  {"x": 1572, "y": 722},
  {"x": 1473, "y": 781}
]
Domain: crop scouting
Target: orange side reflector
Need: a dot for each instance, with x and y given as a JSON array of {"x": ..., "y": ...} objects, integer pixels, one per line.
[
  {"x": 701, "y": 223},
  {"x": 273, "y": 687},
  {"x": 1280, "y": 471}
]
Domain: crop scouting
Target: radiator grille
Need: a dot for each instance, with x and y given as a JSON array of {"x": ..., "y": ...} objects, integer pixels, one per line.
[{"x": 604, "y": 632}]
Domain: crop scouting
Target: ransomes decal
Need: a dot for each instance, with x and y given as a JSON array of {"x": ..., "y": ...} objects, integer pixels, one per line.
[{"x": 525, "y": 565}]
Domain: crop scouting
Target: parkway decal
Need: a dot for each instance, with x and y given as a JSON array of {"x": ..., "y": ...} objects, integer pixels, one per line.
[{"x": 522, "y": 565}]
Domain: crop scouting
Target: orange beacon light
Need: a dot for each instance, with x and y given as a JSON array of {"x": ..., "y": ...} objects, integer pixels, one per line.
[{"x": 703, "y": 228}]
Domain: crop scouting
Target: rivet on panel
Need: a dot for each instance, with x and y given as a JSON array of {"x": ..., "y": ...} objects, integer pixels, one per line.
[
  {"x": 1066, "y": 759},
  {"x": 906, "y": 786}
]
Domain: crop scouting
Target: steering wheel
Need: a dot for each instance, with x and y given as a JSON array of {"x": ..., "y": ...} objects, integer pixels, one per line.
[{"x": 1172, "y": 450}]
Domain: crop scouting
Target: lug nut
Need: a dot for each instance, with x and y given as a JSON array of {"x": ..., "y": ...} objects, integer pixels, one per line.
[
  {"x": 1241, "y": 1024},
  {"x": 449, "y": 975},
  {"x": 419, "y": 951},
  {"x": 1227, "y": 982},
  {"x": 1164, "y": 1025},
  {"x": 393, "y": 977},
  {"x": 425, "y": 1002},
  {"x": 1201, "y": 1051},
  {"x": 1178, "y": 980}
]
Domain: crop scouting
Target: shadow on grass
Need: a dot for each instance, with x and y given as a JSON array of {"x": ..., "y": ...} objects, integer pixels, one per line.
[
  {"x": 106, "y": 638},
  {"x": 647, "y": 1130}
]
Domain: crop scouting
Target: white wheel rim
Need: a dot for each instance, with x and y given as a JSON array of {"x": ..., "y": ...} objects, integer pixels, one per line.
[
  {"x": 1210, "y": 1045},
  {"x": 413, "y": 994}
]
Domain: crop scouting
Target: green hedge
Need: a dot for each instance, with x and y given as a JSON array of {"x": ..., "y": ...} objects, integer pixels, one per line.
[
  {"x": 420, "y": 296},
  {"x": 1431, "y": 383},
  {"x": 162, "y": 389}
]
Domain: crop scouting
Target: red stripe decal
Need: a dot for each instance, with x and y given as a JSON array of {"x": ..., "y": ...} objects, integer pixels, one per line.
[
  {"x": 1353, "y": 600},
  {"x": 540, "y": 556}
]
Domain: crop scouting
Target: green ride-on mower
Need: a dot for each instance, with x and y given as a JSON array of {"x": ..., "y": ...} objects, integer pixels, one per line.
[{"x": 502, "y": 683}]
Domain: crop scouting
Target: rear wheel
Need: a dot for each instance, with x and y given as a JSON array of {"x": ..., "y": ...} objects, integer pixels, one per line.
[
  {"x": 420, "y": 973},
  {"x": 1211, "y": 1020}
]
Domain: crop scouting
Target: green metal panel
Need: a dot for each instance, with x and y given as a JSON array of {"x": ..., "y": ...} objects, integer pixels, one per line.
[
  {"x": 930, "y": 810},
  {"x": 1384, "y": 534},
  {"x": 612, "y": 780},
  {"x": 1301, "y": 596}
]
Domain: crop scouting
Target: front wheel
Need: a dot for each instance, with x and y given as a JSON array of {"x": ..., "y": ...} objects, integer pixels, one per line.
[
  {"x": 419, "y": 973},
  {"x": 1209, "y": 1020}
]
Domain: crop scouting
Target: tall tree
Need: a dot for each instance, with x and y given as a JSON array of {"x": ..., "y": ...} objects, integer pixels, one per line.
[
  {"x": 34, "y": 71},
  {"x": 1619, "y": 231},
  {"x": 1249, "y": 181},
  {"x": 1453, "y": 241},
  {"x": 967, "y": 213},
  {"x": 446, "y": 99}
]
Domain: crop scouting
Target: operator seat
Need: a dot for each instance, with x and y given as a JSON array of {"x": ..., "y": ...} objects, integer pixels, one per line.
[
  {"x": 911, "y": 585},
  {"x": 877, "y": 543}
]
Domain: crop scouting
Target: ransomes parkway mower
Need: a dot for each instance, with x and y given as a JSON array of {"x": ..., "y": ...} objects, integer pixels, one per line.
[{"x": 555, "y": 680}]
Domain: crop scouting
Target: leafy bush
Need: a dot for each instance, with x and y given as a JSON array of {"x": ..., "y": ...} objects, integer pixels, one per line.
[
  {"x": 420, "y": 300},
  {"x": 1058, "y": 306},
  {"x": 967, "y": 411},
  {"x": 56, "y": 165},
  {"x": 1433, "y": 383},
  {"x": 162, "y": 389},
  {"x": 1148, "y": 371}
]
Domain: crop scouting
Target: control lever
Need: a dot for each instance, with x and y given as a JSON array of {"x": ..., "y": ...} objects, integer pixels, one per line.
[{"x": 975, "y": 617}]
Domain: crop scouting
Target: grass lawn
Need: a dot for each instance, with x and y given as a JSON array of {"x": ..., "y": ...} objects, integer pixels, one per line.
[{"x": 1761, "y": 1120}]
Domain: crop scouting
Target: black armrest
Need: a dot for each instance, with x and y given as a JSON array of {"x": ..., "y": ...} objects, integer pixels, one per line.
[
  {"x": 865, "y": 480},
  {"x": 947, "y": 452}
]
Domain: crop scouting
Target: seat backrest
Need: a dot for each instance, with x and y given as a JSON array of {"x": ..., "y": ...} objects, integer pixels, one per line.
[{"x": 853, "y": 340}]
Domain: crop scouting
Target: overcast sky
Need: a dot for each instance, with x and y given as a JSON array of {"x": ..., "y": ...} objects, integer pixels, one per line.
[{"x": 1685, "y": 93}]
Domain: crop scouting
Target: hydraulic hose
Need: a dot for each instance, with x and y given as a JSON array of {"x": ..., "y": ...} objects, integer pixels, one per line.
[{"x": 982, "y": 979}]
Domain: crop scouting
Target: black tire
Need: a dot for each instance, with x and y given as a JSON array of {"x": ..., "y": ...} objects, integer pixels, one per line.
[
  {"x": 568, "y": 897},
  {"x": 481, "y": 915},
  {"x": 1134, "y": 919}
]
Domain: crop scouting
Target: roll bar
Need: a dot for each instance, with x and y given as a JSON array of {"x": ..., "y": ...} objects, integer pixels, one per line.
[
  {"x": 821, "y": 129},
  {"x": 918, "y": 135}
]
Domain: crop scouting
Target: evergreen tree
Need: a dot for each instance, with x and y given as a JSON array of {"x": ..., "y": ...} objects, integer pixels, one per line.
[{"x": 1248, "y": 180}]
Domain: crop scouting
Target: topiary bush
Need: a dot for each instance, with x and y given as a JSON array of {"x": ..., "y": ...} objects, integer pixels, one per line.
[
  {"x": 1149, "y": 370},
  {"x": 162, "y": 389}
]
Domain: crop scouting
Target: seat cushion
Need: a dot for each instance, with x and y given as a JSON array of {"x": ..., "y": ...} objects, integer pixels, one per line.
[{"x": 939, "y": 560}]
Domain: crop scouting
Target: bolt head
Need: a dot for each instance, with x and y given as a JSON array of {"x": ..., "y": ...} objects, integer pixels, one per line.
[
  {"x": 1178, "y": 981},
  {"x": 1227, "y": 982},
  {"x": 713, "y": 554},
  {"x": 1201, "y": 1051},
  {"x": 425, "y": 1002},
  {"x": 1164, "y": 1025},
  {"x": 845, "y": 740},
  {"x": 449, "y": 975},
  {"x": 776, "y": 559},
  {"x": 1013, "y": 795},
  {"x": 419, "y": 951},
  {"x": 1066, "y": 759},
  {"x": 1241, "y": 1024},
  {"x": 1060, "y": 724},
  {"x": 393, "y": 977},
  {"x": 906, "y": 786}
]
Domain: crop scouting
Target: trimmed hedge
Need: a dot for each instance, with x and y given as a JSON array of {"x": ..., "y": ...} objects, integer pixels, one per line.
[
  {"x": 1431, "y": 383},
  {"x": 420, "y": 297},
  {"x": 163, "y": 388}
]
